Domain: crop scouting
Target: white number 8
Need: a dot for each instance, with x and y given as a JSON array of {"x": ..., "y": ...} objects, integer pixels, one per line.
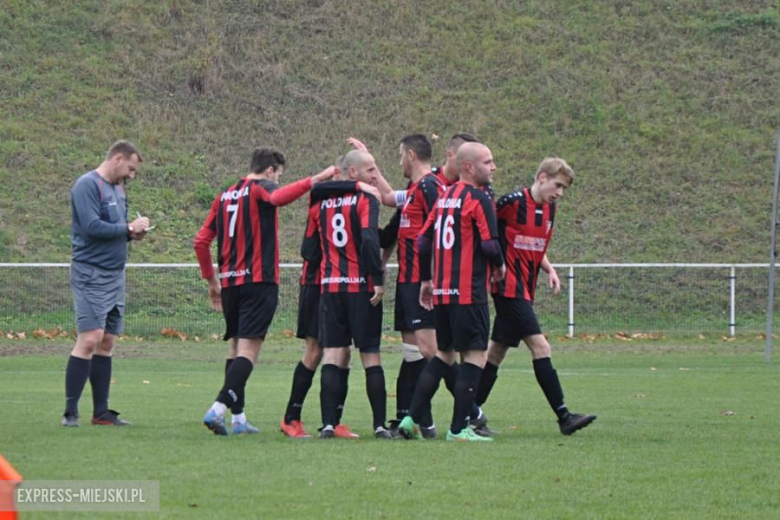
[{"x": 339, "y": 236}]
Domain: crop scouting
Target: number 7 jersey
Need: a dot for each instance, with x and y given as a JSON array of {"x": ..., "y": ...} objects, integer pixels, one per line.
[{"x": 462, "y": 218}]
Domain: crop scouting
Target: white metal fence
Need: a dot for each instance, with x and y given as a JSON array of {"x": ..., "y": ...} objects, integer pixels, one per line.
[{"x": 723, "y": 299}]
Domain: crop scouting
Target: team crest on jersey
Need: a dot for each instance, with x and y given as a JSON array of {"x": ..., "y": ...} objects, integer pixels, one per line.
[{"x": 405, "y": 222}]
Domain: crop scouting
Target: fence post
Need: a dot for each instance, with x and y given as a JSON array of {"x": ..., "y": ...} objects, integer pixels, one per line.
[
  {"x": 571, "y": 301},
  {"x": 732, "y": 301}
]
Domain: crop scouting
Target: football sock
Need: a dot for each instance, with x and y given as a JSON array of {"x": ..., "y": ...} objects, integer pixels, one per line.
[
  {"x": 330, "y": 390},
  {"x": 343, "y": 389},
  {"x": 486, "y": 382},
  {"x": 426, "y": 387},
  {"x": 76, "y": 375},
  {"x": 547, "y": 377},
  {"x": 238, "y": 418},
  {"x": 220, "y": 408},
  {"x": 377, "y": 395},
  {"x": 403, "y": 390},
  {"x": 302, "y": 380},
  {"x": 465, "y": 390},
  {"x": 232, "y": 393},
  {"x": 100, "y": 380}
]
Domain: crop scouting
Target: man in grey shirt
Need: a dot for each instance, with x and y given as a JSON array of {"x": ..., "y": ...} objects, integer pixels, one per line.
[{"x": 100, "y": 232}]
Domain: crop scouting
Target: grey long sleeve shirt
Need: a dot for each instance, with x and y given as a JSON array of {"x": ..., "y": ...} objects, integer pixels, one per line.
[{"x": 99, "y": 227}]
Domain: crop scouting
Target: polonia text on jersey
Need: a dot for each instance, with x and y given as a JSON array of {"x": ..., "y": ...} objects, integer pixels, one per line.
[
  {"x": 349, "y": 200},
  {"x": 448, "y": 203},
  {"x": 234, "y": 194}
]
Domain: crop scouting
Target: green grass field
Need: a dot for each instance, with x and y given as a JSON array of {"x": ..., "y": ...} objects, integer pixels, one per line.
[{"x": 683, "y": 432}]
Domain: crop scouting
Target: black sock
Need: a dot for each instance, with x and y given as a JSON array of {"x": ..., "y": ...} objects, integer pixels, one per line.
[
  {"x": 547, "y": 377},
  {"x": 465, "y": 390},
  {"x": 377, "y": 395},
  {"x": 426, "y": 418},
  {"x": 76, "y": 375},
  {"x": 451, "y": 376},
  {"x": 330, "y": 390},
  {"x": 302, "y": 379},
  {"x": 237, "y": 408},
  {"x": 100, "y": 381},
  {"x": 486, "y": 382},
  {"x": 232, "y": 393},
  {"x": 407, "y": 381},
  {"x": 427, "y": 384},
  {"x": 343, "y": 389}
]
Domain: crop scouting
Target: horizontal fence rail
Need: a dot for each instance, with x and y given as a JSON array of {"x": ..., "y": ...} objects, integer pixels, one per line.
[{"x": 724, "y": 299}]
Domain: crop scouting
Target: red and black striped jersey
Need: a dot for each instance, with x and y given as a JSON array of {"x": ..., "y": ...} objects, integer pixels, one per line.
[
  {"x": 311, "y": 252},
  {"x": 349, "y": 239},
  {"x": 525, "y": 230},
  {"x": 438, "y": 172},
  {"x": 420, "y": 199},
  {"x": 463, "y": 217},
  {"x": 244, "y": 220}
]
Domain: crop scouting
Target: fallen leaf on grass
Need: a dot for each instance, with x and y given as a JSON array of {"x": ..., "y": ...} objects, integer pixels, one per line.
[
  {"x": 145, "y": 381},
  {"x": 639, "y": 395},
  {"x": 728, "y": 338},
  {"x": 653, "y": 369},
  {"x": 701, "y": 336},
  {"x": 173, "y": 333},
  {"x": 371, "y": 469},
  {"x": 623, "y": 336},
  {"x": 728, "y": 413},
  {"x": 215, "y": 336},
  {"x": 683, "y": 369}
]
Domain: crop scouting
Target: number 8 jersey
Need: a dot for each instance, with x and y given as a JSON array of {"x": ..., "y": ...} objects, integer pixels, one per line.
[
  {"x": 462, "y": 219},
  {"x": 348, "y": 228}
]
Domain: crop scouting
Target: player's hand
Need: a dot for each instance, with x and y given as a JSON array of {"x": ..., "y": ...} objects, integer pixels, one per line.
[
  {"x": 357, "y": 144},
  {"x": 324, "y": 175},
  {"x": 499, "y": 274},
  {"x": 553, "y": 282},
  {"x": 215, "y": 294},
  {"x": 426, "y": 295},
  {"x": 377, "y": 298},
  {"x": 367, "y": 188}
]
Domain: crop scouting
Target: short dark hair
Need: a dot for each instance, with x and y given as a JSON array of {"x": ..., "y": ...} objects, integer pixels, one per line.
[
  {"x": 262, "y": 158},
  {"x": 124, "y": 148},
  {"x": 458, "y": 139},
  {"x": 420, "y": 144}
]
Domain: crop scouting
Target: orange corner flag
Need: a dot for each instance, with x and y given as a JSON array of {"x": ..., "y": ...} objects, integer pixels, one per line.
[{"x": 9, "y": 479}]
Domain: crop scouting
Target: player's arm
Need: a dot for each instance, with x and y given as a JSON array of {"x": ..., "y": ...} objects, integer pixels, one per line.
[
  {"x": 369, "y": 246},
  {"x": 553, "y": 282},
  {"x": 425, "y": 257},
  {"x": 485, "y": 217},
  {"x": 202, "y": 246},
  {"x": 293, "y": 191},
  {"x": 387, "y": 197}
]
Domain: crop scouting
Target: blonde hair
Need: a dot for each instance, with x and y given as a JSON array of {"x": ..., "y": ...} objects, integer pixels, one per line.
[{"x": 554, "y": 166}]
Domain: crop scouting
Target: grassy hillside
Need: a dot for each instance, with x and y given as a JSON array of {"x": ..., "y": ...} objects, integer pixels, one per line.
[{"x": 667, "y": 111}]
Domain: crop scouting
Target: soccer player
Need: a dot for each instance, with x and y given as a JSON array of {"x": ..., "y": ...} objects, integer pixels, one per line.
[
  {"x": 100, "y": 232},
  {"x": 308, "y": 314},
  {"x": 525, "y": 223},
  {"x": 244, "y": 221},
  {"x": 462, "y": 235},
  {"x": 351, "y": 279},
  {"x": 448, "y": 172}
]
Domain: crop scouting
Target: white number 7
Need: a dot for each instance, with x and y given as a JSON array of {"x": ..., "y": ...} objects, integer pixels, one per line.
[{"x": 232, "y": 208}]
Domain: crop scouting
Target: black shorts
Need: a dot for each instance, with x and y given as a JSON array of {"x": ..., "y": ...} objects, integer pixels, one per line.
[
  {"x": 249, "y": 309},
  {"x": 308, "y": 311},
  {"x": 347, "y": 316},
  {"x": 462, "y": 327},
  {"x": 409, "y": 314},
  {"x": 515, "y": 320}
]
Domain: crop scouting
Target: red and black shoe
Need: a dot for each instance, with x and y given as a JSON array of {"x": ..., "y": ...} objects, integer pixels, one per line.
[{"x": 109, "y": 418}]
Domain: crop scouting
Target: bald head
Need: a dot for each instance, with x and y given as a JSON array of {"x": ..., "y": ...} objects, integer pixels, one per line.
[
  {"x": 475, "y": 164},
  {"x": 360, "y": 166}
]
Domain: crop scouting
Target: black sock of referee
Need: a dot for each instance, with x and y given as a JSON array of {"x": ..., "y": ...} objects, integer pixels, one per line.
[
  {"x": 426, "y": 388},
  {"x": 100, "y": 381},
  {"x": 547, "y": 377},
  {"x": 237, "y": 408},
  {"x": 465, "y": 390},
  {"x": 343, "y": 389},
  {"x": 232, "y": 392},
  {"x": 330, "y": 390},
  {"x": 377, "y": 395},
  {"x": 302, "y": 379},
  {"x": 76, "y": 375},
  {"x": 486, "y": 382}
]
